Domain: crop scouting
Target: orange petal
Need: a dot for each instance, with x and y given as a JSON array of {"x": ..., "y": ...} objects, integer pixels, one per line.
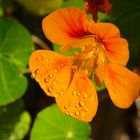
[
  {"x": 82, "y": 43},
  {"x": 51, "y": 70},
  {"x": 123, "y": 85},
  {"x": 100, "y": 67},
  {"x": 117, "y": 50},
  {"x": 104, "y": 30},
  {"x": 80, "y": 100},
  {"x": 65, "y": 25}
]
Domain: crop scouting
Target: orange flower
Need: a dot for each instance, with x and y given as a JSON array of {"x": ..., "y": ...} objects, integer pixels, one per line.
[
  {"x": 94, "y": 6},
  {"x": 58, "y": 77},
  {"x": 68, "y": 79}
]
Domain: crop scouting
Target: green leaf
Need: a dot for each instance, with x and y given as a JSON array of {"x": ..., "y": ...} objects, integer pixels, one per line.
[
  {"x": 126, "y": 15},
  {"x": 1, "y": 12},
  {"x": 6, "y": 3},
  {"x": 102, "y": 17},
  {"x": 56, "y": 48},
  {"x": 14, "y": 122},
  {"x": 41, "y": 7},
  {"x": 51, "y": 124},
  {"x": 15, "y": 48},
  {"x": 75, "y": 3}
]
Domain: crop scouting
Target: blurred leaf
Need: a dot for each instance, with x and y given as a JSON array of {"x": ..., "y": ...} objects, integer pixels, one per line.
[
  {"x": 6, "y": 3},
  {"x": 14, "y": 122},
  {"x": 75, "y": 3},
  {"x": 51, "y": 124},
  {"x": 102, "y": 17},
  {"x": 15, "y": 48},
  {"x": 126, "y": 15},
  {"x": 56, "y": 48},
  {"x": 1, "y": 12},
  {"x": 41, "y": 7}
]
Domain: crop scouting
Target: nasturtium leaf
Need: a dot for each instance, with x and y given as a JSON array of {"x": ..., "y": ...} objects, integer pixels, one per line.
[
  {"x": 126, "y": 15},
  {"x": 6, "y": 3},
  {"x": 14, "y": 121},
  {"x": 1, "y": 12},
  {"x": 41, "y": 7},
  {"x": 52, "y": 124},
  {"x": 75, "y": 3},
  {"x": 15, "y": 48}
]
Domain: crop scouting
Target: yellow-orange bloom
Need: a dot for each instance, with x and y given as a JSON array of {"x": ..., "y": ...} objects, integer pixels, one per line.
[
  {"x": 74, "y": 92},
  {"x": 67, "y": 78}
]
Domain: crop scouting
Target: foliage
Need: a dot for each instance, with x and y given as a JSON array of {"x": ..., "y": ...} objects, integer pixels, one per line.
[
  {"x": 14, "y": 121},
  {"x": 54, "y": 125},
  {"x": 16, "y": 46}
]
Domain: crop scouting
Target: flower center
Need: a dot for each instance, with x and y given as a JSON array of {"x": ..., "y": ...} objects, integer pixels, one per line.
[{"x": 92, "y": 55}]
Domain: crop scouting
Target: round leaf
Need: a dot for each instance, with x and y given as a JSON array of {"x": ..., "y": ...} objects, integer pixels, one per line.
[
  {"x": 51, "y": 124},
  {"x": 15, "y": 48},
  {"x": 14, "y": 122}
]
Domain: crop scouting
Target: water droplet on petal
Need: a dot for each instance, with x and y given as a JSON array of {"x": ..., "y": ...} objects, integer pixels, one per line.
[
  {"x": 71, "y": 114},
  {"x": 76, "y": 105},
  {"x": 50, "y": 75},
  {"x": 50, "y": 88},
  {"x": 67, "y": 113},
  {"x": 74, "y": 93},
  {"x": 66, "y": 107},
  {"x": 77, "y": 113},
  {"x": 82, "y": 103},
  {"x": 36, "y": 71},
  {"x": 85, "y": 95},
  {"x": 45, "y": 80},
  {"x": 78, "y": 94}
]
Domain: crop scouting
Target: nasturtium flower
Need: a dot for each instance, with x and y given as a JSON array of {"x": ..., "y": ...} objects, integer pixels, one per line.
[
  {"x": 67, "y": 79},
  {"x": 95, "y": 6}
]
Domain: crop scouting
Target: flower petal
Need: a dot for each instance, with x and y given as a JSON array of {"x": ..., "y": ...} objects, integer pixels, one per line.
[
  {"x": 80, "y": 100},
  {"x": 117, "y": 50},
  {"x": 123, "y": 85},
  {"x": 104, "y": 30},
  {"x": 65, "y": 25},
  {"x": 51, "y": 70}
]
